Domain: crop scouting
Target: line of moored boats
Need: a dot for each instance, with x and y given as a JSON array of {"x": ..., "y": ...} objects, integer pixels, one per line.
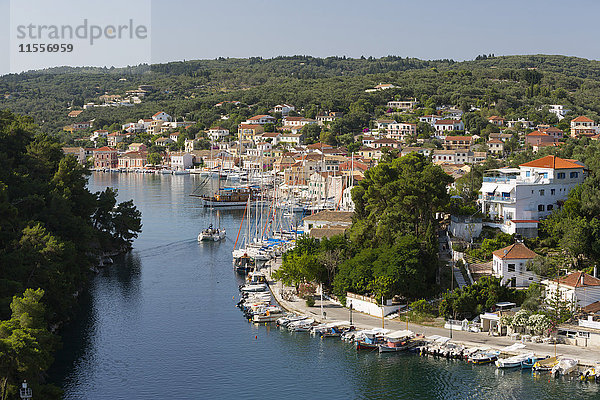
[{"x": 256, "y": 303}]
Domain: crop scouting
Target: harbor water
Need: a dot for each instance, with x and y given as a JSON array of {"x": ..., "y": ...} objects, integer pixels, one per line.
[{"x": 161, "y": 323}]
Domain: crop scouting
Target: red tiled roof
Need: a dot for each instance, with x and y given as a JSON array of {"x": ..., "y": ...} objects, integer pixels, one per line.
[
  {"x": 582, "y": 119},
  {"x": 537, "y": 133},
  {"x": 553, "y": 162},
  {"x": 457, "y": 138},
  {"x": 514, "y": 251},
  {"x": 447, "y": 122},
  {"x": 105, "y": 148},
  {"x": 579, "y": 279}
]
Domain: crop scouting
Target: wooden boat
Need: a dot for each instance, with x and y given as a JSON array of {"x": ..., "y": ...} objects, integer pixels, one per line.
[
  {"x": 513, "y": 362},
  {"x": 395, "y": 341},
  {"x": 484, "y": 358},
  {"x": 545, "y": 364},
  {"x": 528, "y": 363},
  {"x": 588, "y": 375}
]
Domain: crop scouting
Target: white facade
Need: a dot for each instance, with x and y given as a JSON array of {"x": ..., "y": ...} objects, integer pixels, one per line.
[
  {"x": 284, "y": 109},
  {"x": 529, "y": 193},
  {"x": 559, "y": 110},
  {"x": 217, "y": 133},
  {"x": 161, "y": 116},
  {"x": 401, "y": 131},
  {"x": 578, "y": 288},
  {"x": 510, "y": 265},
  {"x": 180, "y": 161}
]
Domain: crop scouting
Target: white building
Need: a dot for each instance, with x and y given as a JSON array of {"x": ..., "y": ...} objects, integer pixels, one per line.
[
  {"x": 455, "y": 156},
  {"x": 524, "y": 195},
  {"x": 577, "y": 288},
  {"x": 180, "y": 161},
  {"x": 161, "y": 116},
  {"x": 510, "y": 265},
  {"x": 559, "y": 110},
  {"x": 447, "y": 125},
  {"x": 260, "y": 120},
  {"x": 217, "y": 133},
  {"x": 284, "y": 109},
  {"x": 583, "y": 126},
  {"x": 401, "y": 131},
  {"x": 403, "y": 105}
]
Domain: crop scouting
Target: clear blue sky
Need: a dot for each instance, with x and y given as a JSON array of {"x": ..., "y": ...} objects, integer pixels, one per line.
[{"x": 185, "y": 29}]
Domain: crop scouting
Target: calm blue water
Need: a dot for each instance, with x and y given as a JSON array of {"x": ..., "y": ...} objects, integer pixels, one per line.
[{"x": 162, "y": 324}]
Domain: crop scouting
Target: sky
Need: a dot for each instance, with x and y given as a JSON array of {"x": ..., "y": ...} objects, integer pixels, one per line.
[{"x": 185, "y": 29}]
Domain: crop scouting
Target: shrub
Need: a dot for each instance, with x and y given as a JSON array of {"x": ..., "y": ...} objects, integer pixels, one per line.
[{"x": 310, "y": 301}]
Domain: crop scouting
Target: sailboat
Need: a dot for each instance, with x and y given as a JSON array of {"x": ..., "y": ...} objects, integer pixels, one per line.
[{"x": 212, "y": 234}]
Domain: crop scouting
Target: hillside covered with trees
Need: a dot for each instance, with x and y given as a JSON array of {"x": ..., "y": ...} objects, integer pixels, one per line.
[{"x": 52, "y": 231}]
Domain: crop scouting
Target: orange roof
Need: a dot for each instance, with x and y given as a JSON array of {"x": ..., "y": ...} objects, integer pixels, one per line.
[
  {"x": 257, "y": 117},
  {"x": 469, "y": 138},
  {"x": 447, "y": 122},
  {"x": 582, "y": 119},
  {"x": 490, "y": 141},
  {"x": 537, "y": 133},
  {"x": 579, "y": 279},
  {"x": 514, "y": 251},
  {"x": 105, "y": 148},
  {"x": 250, "y": 126},
  {"x": 554, "y": 163},
  {"x": 496, "y": 118}
]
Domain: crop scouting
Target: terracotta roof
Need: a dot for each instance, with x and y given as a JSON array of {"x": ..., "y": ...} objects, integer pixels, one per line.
[
  {"x": 257, "y": 117},
  {"x": 537, "y": 133},
  {"x": 105, "y": 148},
  {"x": 447, "y": 122},
  {"x": 495, "y": 141},
  {"x": 514, "y": 251},
  {"x": 496, "y": 118},
  {"x": 158, "y": 113},
  {"x": 554, "y": 163},
  {"x": 551, "y": 129},
  {"x": 579, "y": 279},
  {"x": 592, "y": 308},
  {"x": 456, "y": 138},
  {"x": 582, "y": 119}
]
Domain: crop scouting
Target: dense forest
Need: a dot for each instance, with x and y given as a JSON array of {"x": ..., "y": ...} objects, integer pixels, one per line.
[
  {"x": 52, "y": 231},
  {"x": 512, "y": 86}
]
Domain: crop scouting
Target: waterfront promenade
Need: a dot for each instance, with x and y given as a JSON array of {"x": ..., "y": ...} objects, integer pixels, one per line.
[{"x": 335, "y": 312}]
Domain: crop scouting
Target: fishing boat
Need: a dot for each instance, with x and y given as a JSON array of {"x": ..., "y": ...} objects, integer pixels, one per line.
[
  {"x": 528, "y": 363},
  {"x": 254, "y": 287},
  {"x": 268, "y": 314},
  {"x": 514, "y": 361},
  {"x": 484, "y": 357},
  {"x": 589, "y": 374},
  {"x": 564, "y": 367},
  {"x": 396, "y": 341},
  {"x": 211, "y": 234},
  {"x": 243, "y": 263},
  {"x": 545, "y": 365}
]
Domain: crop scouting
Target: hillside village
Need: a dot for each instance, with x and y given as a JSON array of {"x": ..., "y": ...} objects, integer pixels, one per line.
[{"x": 513, "y": 199}]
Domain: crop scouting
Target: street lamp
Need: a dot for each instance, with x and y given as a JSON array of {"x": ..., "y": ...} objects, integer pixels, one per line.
[{"x": 350, "y": 313}]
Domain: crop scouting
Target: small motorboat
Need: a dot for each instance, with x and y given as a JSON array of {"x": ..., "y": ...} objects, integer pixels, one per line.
[
  {"x": 588, "y": 375},
  {"x": 254, "y": 287},
  {"x": 529, "y": 362},
  {"x": 269, "y": 314},
  {"x": 395, "y": 341},
  {"x": 484, "y": 357},
  {"x": 513, "y": 362},
  {"x": 545, "y": 365},
  {"x": 564, "y": 367},
  {"x": 211, "y": 234}
]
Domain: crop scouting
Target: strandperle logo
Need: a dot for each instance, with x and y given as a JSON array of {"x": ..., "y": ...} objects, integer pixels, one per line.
[{"x": 84, "y": 31}]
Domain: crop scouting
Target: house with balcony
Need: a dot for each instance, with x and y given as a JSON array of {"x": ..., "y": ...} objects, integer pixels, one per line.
[
  {"x": 517, "y": 198},
  {"x": 217, "y": 133},
  {"x": 559, "y": 110},
  {"x": 105, "y": 157},
  {"x": 458, "y": 142},
  {"x": 260, "y": 120},
  {"x": 444, "y": 126},
  {"x": 402, "y": 105},
  {"x": 510, "y": 264},
  {"x": 583, "y": 126},
  {"x": 401, "y": 131}
]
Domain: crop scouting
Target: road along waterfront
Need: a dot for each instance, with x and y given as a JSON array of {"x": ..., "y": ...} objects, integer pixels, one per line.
[{"x": 162, "y": 323}]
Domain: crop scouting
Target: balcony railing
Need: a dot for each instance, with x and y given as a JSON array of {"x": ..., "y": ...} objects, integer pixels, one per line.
[
  {"x": 499, "y": 198},
  {"x": 499, "y": 179}
]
